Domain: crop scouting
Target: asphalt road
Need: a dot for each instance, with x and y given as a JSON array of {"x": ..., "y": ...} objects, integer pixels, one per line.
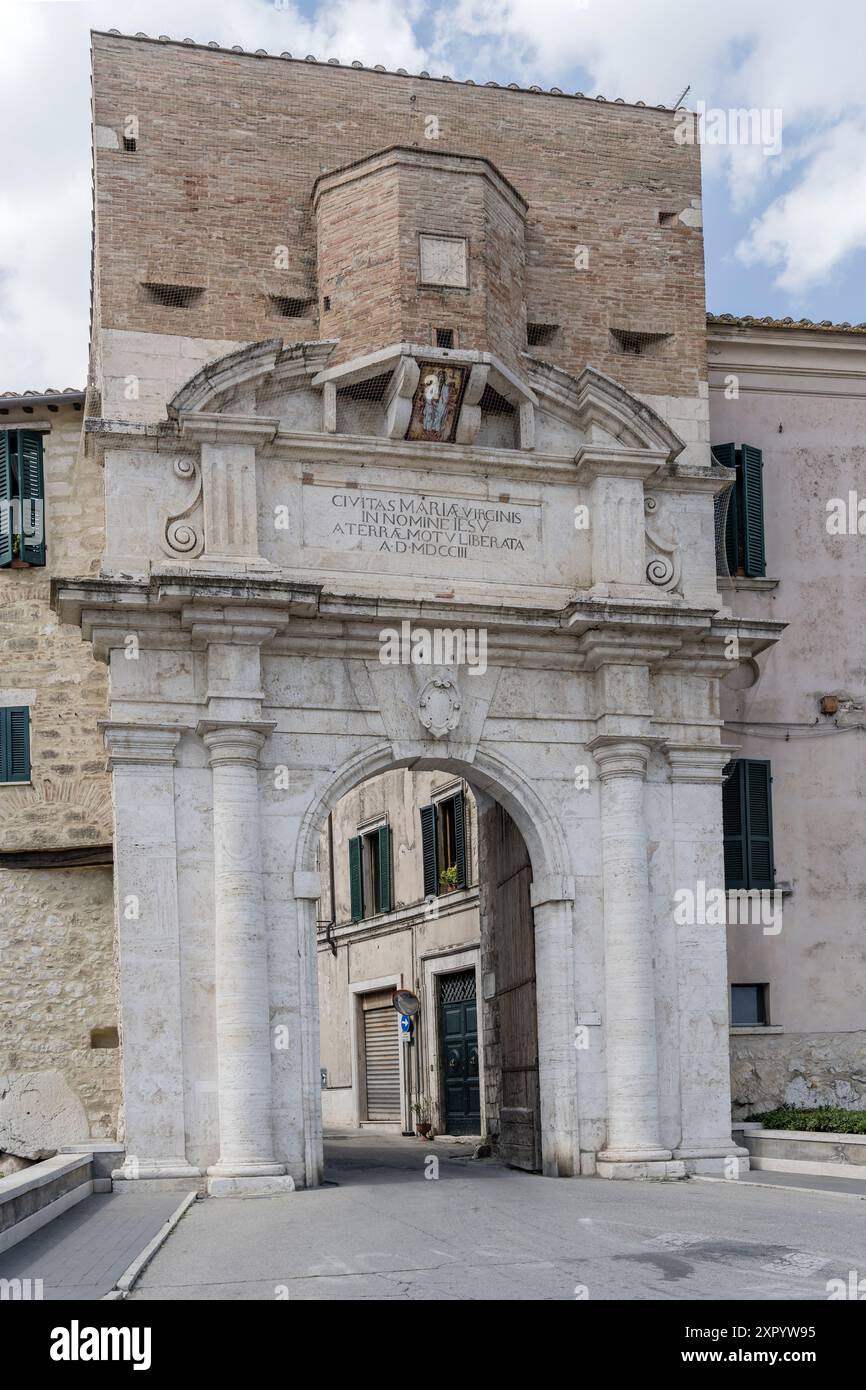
[{"x": 382, "y": 1229}]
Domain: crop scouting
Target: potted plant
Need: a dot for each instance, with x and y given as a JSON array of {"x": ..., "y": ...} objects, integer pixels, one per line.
[
  {"x": 423, "y": 1123},
  {"x": 17, "y": 562},
  {"x": 448, "y": 879}
]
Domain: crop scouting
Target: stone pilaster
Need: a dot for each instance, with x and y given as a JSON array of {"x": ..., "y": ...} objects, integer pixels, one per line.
[
  {"x": 706, "y": 1145},
  {"x": 246, "y": 1162},
  {"x": 142, "y": 761},
  {"x": 633, "y": 1146},
  {"x": 553, "y": 905}
]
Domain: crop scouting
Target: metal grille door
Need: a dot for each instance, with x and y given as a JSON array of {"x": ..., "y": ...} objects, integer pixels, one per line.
[{"x": 382, "y": 1060}]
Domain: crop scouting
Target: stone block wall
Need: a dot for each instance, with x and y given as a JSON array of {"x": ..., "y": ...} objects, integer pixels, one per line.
[
  {"x": 57, "y": 957},
  {"x": 806, "y": 1070}
]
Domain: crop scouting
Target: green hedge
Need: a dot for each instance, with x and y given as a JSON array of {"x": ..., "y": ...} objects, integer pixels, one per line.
[{"x": 826, "y": 1119}]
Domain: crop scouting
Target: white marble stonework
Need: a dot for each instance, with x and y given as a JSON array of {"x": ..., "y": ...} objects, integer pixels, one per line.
[{"x": 257, "y": 697}]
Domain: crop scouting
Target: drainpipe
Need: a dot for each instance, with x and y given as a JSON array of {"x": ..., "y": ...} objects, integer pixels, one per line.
[{"x": 333, "y": 919}]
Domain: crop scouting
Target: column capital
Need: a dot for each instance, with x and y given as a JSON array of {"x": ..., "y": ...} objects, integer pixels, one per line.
[
  {"x": 140, "y": 744},
  {"x": 621, "y": 756},
  {"x": 699, "y": 762},
  {"x": 228, "y": 741}
]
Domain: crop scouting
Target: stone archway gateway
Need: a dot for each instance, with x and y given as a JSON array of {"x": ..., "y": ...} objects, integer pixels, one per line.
[{"x": 243, "y": 618}]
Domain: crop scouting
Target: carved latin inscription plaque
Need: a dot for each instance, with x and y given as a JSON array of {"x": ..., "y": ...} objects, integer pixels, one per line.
[{"x": 448, "y": 529}]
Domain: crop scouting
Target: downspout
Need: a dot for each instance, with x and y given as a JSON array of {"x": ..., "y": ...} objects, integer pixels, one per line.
[{"x": 333, "y": 919}]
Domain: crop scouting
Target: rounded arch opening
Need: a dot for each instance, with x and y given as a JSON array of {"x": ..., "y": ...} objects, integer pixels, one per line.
[{"x": 497, "y": 965}]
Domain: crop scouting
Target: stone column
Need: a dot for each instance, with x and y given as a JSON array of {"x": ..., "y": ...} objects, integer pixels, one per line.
[
  {"x": 706, "y": 1145},
  {"x": 633, "y": 1147},
  {"x": 246, "y": 1162},
  {"x": 145, "y": 885},
  {"x": 553, "y": 905}
]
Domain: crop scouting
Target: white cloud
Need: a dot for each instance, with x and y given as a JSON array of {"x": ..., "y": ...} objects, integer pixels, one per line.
[{"x": 807, "y": 232}]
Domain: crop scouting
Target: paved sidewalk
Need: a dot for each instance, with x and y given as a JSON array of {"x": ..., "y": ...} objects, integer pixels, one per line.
[
  {"x": 847, "y": 1187},
  {"x": 83, "y": 1252},
  {"x": 379, "y": 1229}
]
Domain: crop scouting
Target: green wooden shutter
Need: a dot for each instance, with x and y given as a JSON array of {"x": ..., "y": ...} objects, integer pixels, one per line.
[
  {"x": 460, "y": 839},
  {"x": 31, "y": 488},
  {"x": 5, "y": 499},
  {"x": 15, "y": 744},
  {"x": 734, "y": 828},
  {"x": 726, "y": 455},
  {"x": 752, "y": 465},
  {"x": 356, "y": 879},
  {"x": 759, "y": 824},
  {"x": 384, "y": 868},
  {"x": 428, "y": 842}
]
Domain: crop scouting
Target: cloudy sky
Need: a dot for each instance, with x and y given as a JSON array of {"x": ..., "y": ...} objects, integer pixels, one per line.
[{"x": 785, "y": 232}]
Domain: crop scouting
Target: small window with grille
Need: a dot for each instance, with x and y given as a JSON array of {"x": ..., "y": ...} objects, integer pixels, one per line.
[
  {"x": 457, "y": 988},
  {"x": 541, "y": 334},
  {"x": 173, "y": 296},
  {"x": 290, "y": 308}
]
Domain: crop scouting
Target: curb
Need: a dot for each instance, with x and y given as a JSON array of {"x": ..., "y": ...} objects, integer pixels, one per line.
[
  {"x": 781, "y": 1186},
  {"x": 125, "y": 1283}
]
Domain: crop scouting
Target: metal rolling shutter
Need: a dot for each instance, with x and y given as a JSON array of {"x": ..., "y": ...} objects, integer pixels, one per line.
[{"x": 382, "y": 1054}]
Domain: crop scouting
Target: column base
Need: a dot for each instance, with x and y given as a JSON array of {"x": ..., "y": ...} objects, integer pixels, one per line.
[
  {"x": 663, "y": 1170},
  {"x": 168, "y": 1175},
  {"x": 132, "y": 1170},
  {"x": 638, "y": 1164},
  {"x": 261, "y": 1186},
  {"x": 714, "y": 1160},
  {"x": 226, "y": 1179}
]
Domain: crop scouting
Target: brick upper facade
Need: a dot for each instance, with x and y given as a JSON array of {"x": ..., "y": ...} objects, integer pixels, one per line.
[{"x": 229, "y": 147}]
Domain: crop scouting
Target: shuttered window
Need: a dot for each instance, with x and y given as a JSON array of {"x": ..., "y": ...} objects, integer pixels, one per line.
[
  {"x": 22, "y": 497},
  {"x": 748, "y": 825},
  {"x": 744, "y": 527},
  {"x": 15, "y": 744},
  {"x": 443, "y": 842},
  {"x": 370, "y": 873},
  {"x": 381, "y": 1059}
]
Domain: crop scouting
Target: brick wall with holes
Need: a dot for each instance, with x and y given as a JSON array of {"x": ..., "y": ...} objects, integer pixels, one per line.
[{"x": 228, "y": 148}]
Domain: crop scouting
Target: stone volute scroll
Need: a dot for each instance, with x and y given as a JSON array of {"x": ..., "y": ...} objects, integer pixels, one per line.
[
  {"x": 183, "y": 534},
  {"x": 663, "y": 566}
]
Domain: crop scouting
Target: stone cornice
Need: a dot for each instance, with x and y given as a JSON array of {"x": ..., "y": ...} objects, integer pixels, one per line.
[
  {"x": 162, "y": 610},
  {"x": 473, "y": 165},
  {"x": 507, "y": 382},
  {"x": 248, "y": 363},
  {"x": 699, "y": 762},
  {"x": 212, "y": 428},
  {"x": 140, "y": 744},
  {"x": 601, "y": 460}
]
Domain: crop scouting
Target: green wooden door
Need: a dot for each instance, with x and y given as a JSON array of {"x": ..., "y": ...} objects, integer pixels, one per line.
[{"x": 458, "y": 1024}]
